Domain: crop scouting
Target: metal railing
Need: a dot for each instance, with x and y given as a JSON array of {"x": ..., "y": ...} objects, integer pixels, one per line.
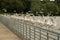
[{"x": 29, "y": 30}]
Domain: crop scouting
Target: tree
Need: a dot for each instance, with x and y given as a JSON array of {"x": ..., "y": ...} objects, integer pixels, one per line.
[
  {"x": 11, "y": 5},
  {"x": 58, "y": 3},
  {"x": 52, "y": 8},
  {"x": 36, "y": 6}
]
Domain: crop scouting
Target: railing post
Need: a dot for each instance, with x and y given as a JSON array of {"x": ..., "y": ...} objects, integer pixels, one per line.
[
  {"x": 34, "y": 33},
  {"x": 47, "y": 35},
  {"x": 40, "y": 34},
  {"x": 26, "y": 32},
  {"x": 30, "y": 33},
  {"x": 23, "y": 31},
  {"x": 58, "y": 38},
  {"x": 47, "y": 28},
  {"x": 20, "y": 28}
]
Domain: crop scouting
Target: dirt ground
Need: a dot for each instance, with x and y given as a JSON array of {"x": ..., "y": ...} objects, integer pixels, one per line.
[{"x": 6, "y": 34}]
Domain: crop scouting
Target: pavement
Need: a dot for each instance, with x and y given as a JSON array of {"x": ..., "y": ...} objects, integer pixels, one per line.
[{"x": 6, "y": 34}]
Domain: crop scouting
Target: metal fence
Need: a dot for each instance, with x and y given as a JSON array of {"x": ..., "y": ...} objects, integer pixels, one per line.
[{"x": 29, "y": 30}]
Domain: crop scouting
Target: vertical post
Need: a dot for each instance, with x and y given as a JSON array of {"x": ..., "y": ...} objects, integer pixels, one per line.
[
  {"x": 58, "y": 38},
  {"x": 23, "y": 31},
  {"x": 14, "y": 25},
  {"x": 40, "y": 34},
  {"x": 47, "y": 35},
  {"x": 34, "y": 33},
  {"x": 26, "y": 32},
  {"x": 17, "y": 27},
  {"x": 20, "y": 28},
  {"x": 30, "y": 32}
]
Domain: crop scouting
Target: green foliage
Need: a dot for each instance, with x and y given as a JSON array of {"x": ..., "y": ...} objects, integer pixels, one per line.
[
  {"x": 12, "y": 5},
  {"x": 36, "y": 6},
  {"x": 48, "y": 8},
  {"x": 51, "y": 8}
]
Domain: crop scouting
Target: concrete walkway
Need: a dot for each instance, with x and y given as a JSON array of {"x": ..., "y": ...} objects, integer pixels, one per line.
[{"x": 6, "y": 34}]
